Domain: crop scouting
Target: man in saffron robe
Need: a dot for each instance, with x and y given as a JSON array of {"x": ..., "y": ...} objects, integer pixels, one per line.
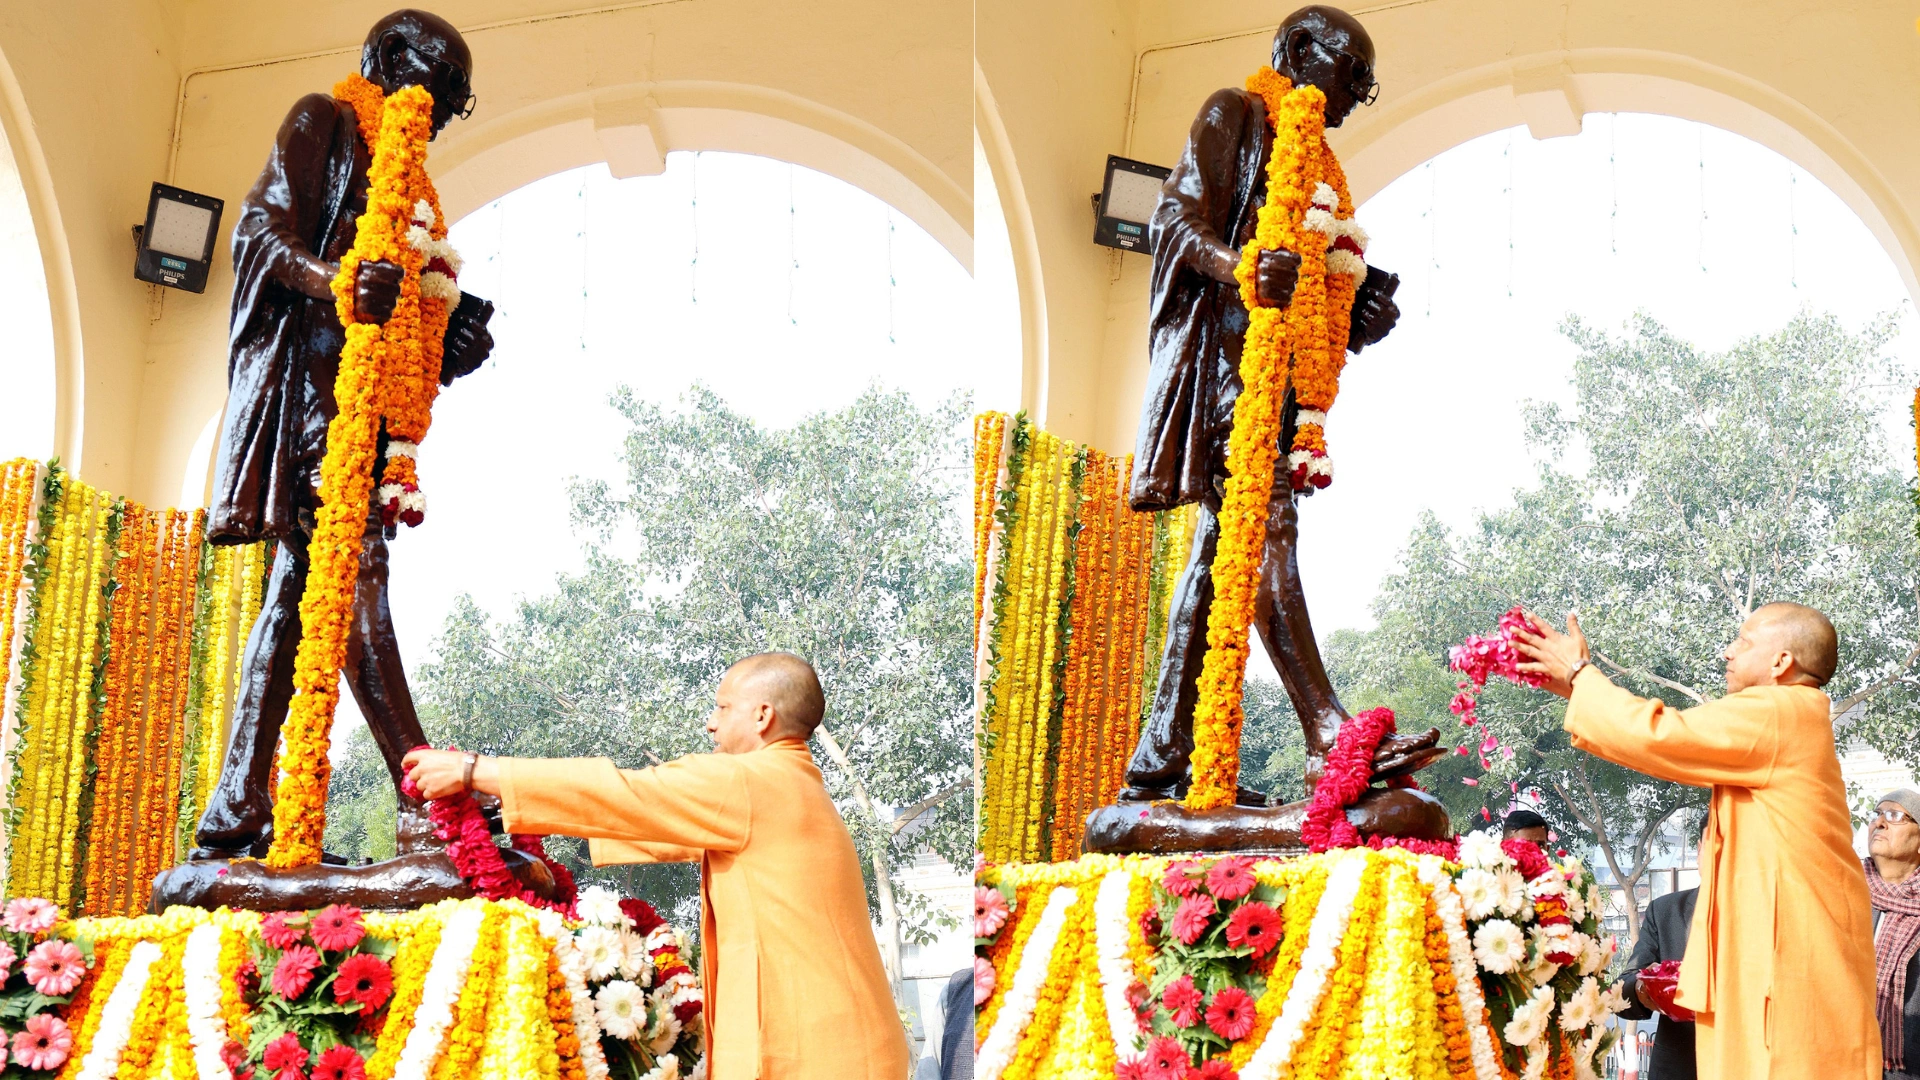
[
  {"x": 794, "y": 982},
  {"x": 1779, "y": 964},
  {"x": 296, "y": 223}
]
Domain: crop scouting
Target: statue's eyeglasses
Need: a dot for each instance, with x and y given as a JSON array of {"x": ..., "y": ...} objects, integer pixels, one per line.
[
  {"x": 1891, "y": 817},
  {"x": 460, "y": 96},
  {"x": 1366, "y": 89}
]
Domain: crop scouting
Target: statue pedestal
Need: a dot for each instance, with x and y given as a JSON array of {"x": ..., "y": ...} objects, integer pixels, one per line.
[
  {"x": 398, "y": 884},
  {"x": 1166, "y": 828}
]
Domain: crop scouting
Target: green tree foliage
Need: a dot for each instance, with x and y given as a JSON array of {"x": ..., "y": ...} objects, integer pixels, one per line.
[
  {"x": 838, "y": 539},
  {"x": 1683, "y": 490}
]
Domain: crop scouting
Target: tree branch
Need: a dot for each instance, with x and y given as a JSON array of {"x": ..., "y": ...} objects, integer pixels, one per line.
[
  {"x": 908, "y": 815},
  {"x": 1840, "y": 707},
  {"x": 1681, "y": 688}
]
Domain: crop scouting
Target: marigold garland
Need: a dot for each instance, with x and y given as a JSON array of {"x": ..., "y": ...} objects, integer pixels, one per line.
[
  {"x": 410, "y": 966},
  {"x": 469, "y": 1033},
  {"x": 373, "y": 354},
  {"x": 1299, "y": 347}
]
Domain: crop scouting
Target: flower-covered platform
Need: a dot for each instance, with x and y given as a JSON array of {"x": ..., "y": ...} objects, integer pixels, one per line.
[
  {"x": 463, "y": 988},
  {"x": 1354, "y": 963}
]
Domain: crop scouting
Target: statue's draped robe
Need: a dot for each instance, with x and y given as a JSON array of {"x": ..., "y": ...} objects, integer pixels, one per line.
[
  {"x": 1779, "y": 961},
  {"x": 795, "y": 986},
  {"x": 1197, "y": 325},
  {"x": 284, "y": 346}
]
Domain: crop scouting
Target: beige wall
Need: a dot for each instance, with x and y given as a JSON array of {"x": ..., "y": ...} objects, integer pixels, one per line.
[
  {"x": 876, "y": 93},
  {"x": 1834, "y": 87}
]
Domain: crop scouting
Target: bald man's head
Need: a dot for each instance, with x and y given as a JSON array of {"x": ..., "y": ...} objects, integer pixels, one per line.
[
  {"x": 1783, "y": 644},
  {"x": 788, "y": 683}
]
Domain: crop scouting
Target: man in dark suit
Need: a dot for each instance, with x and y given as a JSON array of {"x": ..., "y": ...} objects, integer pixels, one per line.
[{"x": 1663, "y": 936}]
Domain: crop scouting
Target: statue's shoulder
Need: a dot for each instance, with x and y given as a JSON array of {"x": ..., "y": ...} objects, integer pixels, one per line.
[
  {"x": 1229, "y": 107},
  {"x": 315, "y": 112}
]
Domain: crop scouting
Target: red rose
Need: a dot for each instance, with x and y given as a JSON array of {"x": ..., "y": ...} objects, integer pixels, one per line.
[{"x": 645, "y": 919}]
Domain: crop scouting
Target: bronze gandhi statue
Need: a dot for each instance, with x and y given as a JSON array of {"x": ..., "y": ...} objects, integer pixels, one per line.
[
  {"x": 1207, "y": 212},
  {"x": 294, "y": 225}
]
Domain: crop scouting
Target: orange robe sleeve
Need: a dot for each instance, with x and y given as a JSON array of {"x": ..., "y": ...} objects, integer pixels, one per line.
[
  {"x": 669, "y": 813},
  {"x": 1732, "y": 741}
]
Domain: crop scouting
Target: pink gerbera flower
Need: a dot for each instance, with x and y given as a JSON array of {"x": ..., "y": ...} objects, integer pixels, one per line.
[
  {"x": 1182, "y": 1001},
  {"x": 983, "y": 981},
  {"x": 340, "y": 1063},
  {"x": 1231, "y": 878},
  {"x": 7, "y": 957},
  {"x": 29, "y": 915},
  {"x": 1231, "y": 1014},
  {"x": 294, "y": 972},
  {"x": 1166, "y": 1059},
  {"x": 283, "y": 929},
  {"x": 1190, "y": 921},
  {"x": 1178, "y": 878},
  {"x": 989, "y": 911},
  {"x": 1254, "y": 925},
  {"x": 337, "y": 928},
  {"x": 1218, "y": 1068},
  {"x": 45, "y": 1043},
  {"x": 1133, "y": 1068},
  {"x": 55, "y": 967}
]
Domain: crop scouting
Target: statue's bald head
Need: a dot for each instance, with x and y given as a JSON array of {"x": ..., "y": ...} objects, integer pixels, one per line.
[
  {"x": 1806, "y": 634},
  {"x": 787, "y": 682},
  {"x": 1326, "y": 47},
  {"x": 411, "y": 47}
]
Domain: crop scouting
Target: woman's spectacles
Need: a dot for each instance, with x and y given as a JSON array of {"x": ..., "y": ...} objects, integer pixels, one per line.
[{"x": 1891, "y": 817}]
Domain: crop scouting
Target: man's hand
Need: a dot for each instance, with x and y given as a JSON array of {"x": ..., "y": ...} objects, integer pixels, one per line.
[
  {"x": 468, "y": 342},
  {"x": 438, "y": 773},
  {"x": 1374, "y": 312},
  {"x": 1640, "y": 992},
  {"x": 376, "y": 291},
  {"x": 1551, "y": 654},
  {"x": 1274, "y": 278}
]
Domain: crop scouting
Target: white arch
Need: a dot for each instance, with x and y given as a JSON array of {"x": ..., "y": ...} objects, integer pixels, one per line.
[
  {"x": 58, "y": 294},
  {"x": 991, "y": 135}
]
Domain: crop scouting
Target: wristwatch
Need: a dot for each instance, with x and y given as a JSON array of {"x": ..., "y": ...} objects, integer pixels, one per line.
[
  {"x": 1578, "y": 666},
  {"x": 466, "y": 770}
]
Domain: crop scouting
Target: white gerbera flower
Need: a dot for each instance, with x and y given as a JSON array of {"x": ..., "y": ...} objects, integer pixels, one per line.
[
  {"x": 600, "y": 906},
  {"x": 1510, "y": 893},
  {"x": 666, "y": 1032},
  {"x": 1592, "y": 957},
  {"x": 699, "y": 1069},
  {"x": 603, "y": 951},
  {"x": 1499, "y": 947},
  {"x": 1615, "y": 999},
  {"x": 1480, "y": 893},
  {"x": 667, "y": 1068},
  {"x": 1576, "y": 906},
  {"x": 621, "y": 1008},
  {"x": 1530, "y": 1019},
  {"x": 1542, "y": 971},
  {"x": 635, "y": 964},
  {"x": 1481, "y": 850},
  {"x": 1583, "y": 1008}
]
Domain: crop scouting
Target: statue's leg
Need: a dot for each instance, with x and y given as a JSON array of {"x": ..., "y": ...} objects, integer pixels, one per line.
[
  {"x": 1159, "y": 768},
  {"x": 1280, "y": 614},
  {"x": 379, "y": 681},
  {"x": 239, "y": 817}
]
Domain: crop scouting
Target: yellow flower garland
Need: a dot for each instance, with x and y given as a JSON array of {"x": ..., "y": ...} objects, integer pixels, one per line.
[
  {"x": 1045, "y": 1024},
  {"x": 1294, "y": 344},
  {"x": 1328, "y": 1036},
  {"x": 83, "y": 1015},
  {"x": 372, "y": 350},
  {"x": 520, "y": 1038},
  {"x": 1303, "y": 899},
  {"x": 469, "y": 1033},
  {"x": 418, "y": 939}
]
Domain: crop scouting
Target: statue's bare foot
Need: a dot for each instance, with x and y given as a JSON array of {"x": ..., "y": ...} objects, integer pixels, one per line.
[
  {"x": 1400, "y": 812},
  {"x": 1242, "y": 796},
  {"x": 1404, "y": 755}
]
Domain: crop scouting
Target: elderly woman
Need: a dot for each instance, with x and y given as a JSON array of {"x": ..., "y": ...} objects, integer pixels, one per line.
[{"x": 1893, "y": 881}]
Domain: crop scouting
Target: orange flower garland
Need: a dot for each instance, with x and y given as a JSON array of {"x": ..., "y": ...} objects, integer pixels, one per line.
[
  {"x": 989, "y": 442},
  {"x": 83, "y": 1012},
  {"x": 560, "y": 1014},
  {"x": 1453, "y": 1022},
  {"x": 1286, "y": 346},
  {"x": 1038, "y": 1037},
  {"x": 396, "y": 181},
  {"x": 1336, "y": 1023},
  {"x": 1301, "y": 903}
]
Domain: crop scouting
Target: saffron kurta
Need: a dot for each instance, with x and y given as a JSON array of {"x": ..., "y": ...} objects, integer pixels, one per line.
[
  {"x": 794, "y": 983},
  {"x": 1779, "y": 961}
]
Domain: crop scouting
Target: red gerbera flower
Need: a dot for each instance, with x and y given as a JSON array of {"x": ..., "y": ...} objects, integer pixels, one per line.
[
  {"x": 337, "y": 928},
  {"x": 1178, "y": 880},
  {"x": 1254, "y": 925},
  {"x": 284, "y": 1053},
  {"x": 1182, "y": 1001},
  {"x": 1166, "y": 1059},
  {"x": 294, "y": 972},
  {"x": 1190, "y": 922},
  {"x": 364, "y": 978},
  {"x": 1132, "y": 1069},
  {"x": 340, "y": 1063},
  {"x": 1231, "y": 878},
  {"x": 1217, "y": 1068},
  {"x": 283, "y": 929},
  {"x": 1231, "y": 1014}
]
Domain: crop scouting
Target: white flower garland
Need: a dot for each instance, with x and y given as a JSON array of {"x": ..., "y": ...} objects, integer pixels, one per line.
[
  {"x": 200, "y": 985},
  {"x": 440, "y": 991},
  {"x": 1111, "y": 934},
  {"x": 1316, "y": 969},
  {"x": 116, "y": 1016},
  {"x": 1466, "y": 976},
  {"x": 1023, "y": 996}
]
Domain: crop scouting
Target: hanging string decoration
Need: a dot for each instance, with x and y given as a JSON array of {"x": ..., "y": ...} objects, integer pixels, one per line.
[{"x": 1068, "y": 581}]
